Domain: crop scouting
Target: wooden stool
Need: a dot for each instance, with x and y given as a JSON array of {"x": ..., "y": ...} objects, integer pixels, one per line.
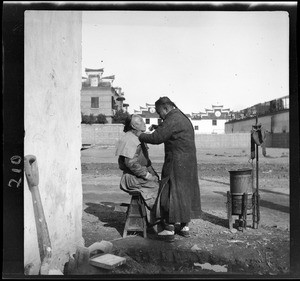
[{"x": 136, "y": 215}]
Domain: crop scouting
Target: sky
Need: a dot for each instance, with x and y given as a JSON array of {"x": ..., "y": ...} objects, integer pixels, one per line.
[{"x": 196, "y": 58}]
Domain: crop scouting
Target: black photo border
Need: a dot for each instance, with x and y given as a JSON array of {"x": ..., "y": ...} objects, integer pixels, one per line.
[{"x": 13, "y": 114}]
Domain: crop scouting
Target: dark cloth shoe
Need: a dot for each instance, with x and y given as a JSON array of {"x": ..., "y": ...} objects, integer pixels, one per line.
[
  {"x": 184, "y": 231},
  {"x": 168, "y": 234}
]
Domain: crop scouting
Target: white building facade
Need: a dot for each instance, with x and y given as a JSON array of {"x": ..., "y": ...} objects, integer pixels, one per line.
[
  {"x": 212, "y": 121},
  {"x": 209, "y": 126},
  {"x": 149, "y": 115}
]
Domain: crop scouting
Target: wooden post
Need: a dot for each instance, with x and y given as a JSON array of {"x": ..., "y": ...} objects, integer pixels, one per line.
[
  {"x": 256, "y": 201},
  {"x": 254, "y": 210},
  {"x": 229, "y": 210},
  {"x": 258, "y": 209},
  {"x": 244, "y": 205}
]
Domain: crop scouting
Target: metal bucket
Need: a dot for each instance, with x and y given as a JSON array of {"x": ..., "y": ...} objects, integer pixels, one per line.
[
  {"x": 240, "y": 182},
  {"x": 237, "y": 204}
]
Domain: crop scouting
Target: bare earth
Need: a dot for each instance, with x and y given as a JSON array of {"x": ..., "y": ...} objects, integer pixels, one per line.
[{"x": 262, "y": 251}]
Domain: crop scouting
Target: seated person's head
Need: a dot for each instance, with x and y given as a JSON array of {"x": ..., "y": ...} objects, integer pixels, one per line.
[{"x": 134, "y": 122}]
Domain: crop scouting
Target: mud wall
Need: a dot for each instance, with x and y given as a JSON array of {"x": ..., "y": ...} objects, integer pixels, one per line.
[
  {"x": 52, "y": 130},
  {"x": 276, "y": 124},
  {"x": 243, "y": 126},
  {"x": 279, "y": 140}
]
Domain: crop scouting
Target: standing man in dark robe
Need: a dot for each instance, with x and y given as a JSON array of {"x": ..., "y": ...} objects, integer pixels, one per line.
[{"x": 179, "y": 193}]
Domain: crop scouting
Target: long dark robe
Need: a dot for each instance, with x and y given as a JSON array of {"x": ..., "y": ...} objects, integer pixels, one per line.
[{"x": 179, "y": 179}]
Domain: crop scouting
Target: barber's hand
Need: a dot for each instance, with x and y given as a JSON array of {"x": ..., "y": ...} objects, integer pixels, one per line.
[
  {"x": 153, "y": 127},
  {"x": 150, "y": 177},
  {"x": 153, "y": 178}
]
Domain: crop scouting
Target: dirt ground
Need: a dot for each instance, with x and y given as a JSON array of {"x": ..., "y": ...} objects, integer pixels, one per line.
[{"x": 212, "y": 248}]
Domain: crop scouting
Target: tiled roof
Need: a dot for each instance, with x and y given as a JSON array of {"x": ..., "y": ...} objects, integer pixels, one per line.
[
  {"x": 109, "y": 77},
  {"x": 213, "y": 116},
  {"x": 148, "y": 114},
  {"x": 93, "y": 70},
  {"x": 99, "y": 88}
]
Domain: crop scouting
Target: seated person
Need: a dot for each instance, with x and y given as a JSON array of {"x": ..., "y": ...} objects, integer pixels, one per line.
[{"x": 138, "y": 173}]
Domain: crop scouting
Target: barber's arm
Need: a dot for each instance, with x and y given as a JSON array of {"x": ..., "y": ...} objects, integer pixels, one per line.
[{"x": 162, "y": 133}]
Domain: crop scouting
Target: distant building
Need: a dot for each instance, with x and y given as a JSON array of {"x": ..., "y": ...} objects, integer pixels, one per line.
[
  {"x": 149, "y": 115},
  {"x": 212, "y": 121},
  {"x": 125, "y": 105},
  {"x": 268, "y": 107},
  {"x": 209, "y": 122},
  {"x": 98, "y": 96},
  {"x": 272, "y": 115}
]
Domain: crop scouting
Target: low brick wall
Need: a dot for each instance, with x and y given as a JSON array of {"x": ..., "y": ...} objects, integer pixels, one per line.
[
  {"x": 108, "y": 134},
  {"x": 101, "y": 134},
  {"x": 236, "y": 140}
]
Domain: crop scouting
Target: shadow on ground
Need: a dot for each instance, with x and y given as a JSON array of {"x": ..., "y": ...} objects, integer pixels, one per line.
[
  {"x": 214, "y": 219},
  {"x": 265, "y": 204},
  {"x": 111, "y": 214},
  {"x": 108, "y": 213},
  {"x": 215, "y": 181}
]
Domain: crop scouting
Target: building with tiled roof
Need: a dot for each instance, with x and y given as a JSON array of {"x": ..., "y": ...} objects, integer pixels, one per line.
[
  {"x": 149, "y": 115},
  {"x": 274, "y": 117},
  {"x": 98, "y": 96},
  {"x": 212, "y": 121}
]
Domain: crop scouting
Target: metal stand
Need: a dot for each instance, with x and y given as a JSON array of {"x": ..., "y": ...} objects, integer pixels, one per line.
[
  {"x": 239, "y": 203},
  {"x": 256, "y": 196},
  {"x": 241, "y": 208}
]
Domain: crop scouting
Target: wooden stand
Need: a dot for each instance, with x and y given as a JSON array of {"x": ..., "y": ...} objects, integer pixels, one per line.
[{"x": 136, "y": 215}]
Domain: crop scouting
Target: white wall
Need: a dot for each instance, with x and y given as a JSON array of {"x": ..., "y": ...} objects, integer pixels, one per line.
[
  {"x": 205, "y": 126},
  {"x": 53, "y": 130},
  {"x": 153, "y": 121}
]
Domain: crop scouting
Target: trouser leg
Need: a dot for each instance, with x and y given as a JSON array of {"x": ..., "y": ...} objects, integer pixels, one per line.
[{"x": 166, "y": 224}]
